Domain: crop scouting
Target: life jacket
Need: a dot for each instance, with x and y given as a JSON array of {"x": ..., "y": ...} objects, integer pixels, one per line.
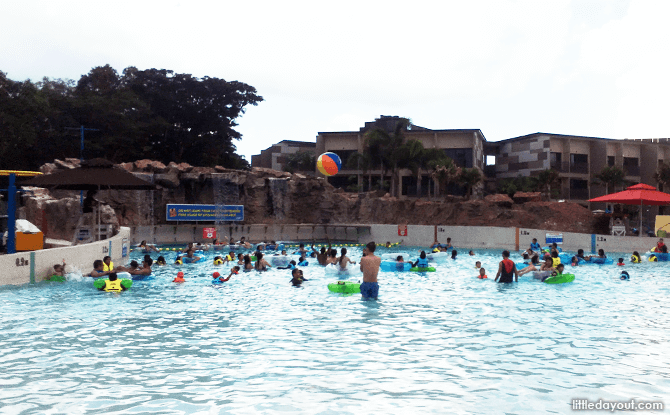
[
  {"x": 218, "y": 261},
  {"x": 179, "y": 279},
  {"x": 179, "y": 262},
  {"x": 229, "y": 258},
  {"x": 436, "y": 250},
  {"x": 635, "y": 259},
  {"x": 422, "y": 263},
  {"x": 659, "y": 247},
  {"x": 113, "y": 286},
  {"x": 482, "y": 278},
  {"x": 535, "y": 246},
  {"x": 108, "y": 268},
  {"x": 508, "y": 265},
  {"x": 555, "y": 262}
]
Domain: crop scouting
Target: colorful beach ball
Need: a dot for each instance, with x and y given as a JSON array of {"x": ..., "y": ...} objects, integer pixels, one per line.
[{"x": 329, "y": 164}]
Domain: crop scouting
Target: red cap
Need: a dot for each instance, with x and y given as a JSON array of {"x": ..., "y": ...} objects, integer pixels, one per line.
[
  {"x": 216, "y": 275},
  {"x": 180, "y": 274}
]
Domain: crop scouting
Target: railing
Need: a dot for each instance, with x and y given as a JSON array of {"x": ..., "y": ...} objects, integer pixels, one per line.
[
  {"x": 562, "y": 167},
  {"x": 582, "y": 168}
]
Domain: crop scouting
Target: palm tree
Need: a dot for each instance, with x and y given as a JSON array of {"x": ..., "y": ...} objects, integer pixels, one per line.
[
  {"x": 662, "y": 175},
  {"x": 610, "y": 176},
  {"x": 443, "y": 172},
  {"x": 546, "y": 179},
  {"x": 470, "y": 177},
  {"x": 412, "y": 158},
  {"x": 362, "y": 161},
  {"x": 384, "y": 148}
]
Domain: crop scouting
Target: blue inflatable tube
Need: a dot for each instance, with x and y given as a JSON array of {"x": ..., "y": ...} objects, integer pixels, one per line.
[
  {"x": 660, "y": 257},
  {"x": 393, "y": 266},
  {"x": 601, "y": 261}
]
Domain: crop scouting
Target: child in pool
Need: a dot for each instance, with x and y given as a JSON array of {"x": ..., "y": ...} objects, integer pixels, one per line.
[
  {"x": 291, "y": 265},
  {"x": 233, "y": 271},
  {"x": 59, "y": 271},
  {"x": 160, "y": 260},
  {"x": 478, "y": 264},
  {"x": 399, "y": 259},
  {"x": 482, "y": 274},
  {"x": 179, "y": 277},
  {"x": 218, "y": 260},
  {"x": 178, "y": 260},
  {"x": 558, "y": 271},
  {"x": 448, "y": 245},
  {"x": 297, "y": 277},
  {"x": 635, "y": 258},
  {"x": 453, "y": 254},
  {"x": 471, "y": 253},
  {"x": 620, "y": 263}
]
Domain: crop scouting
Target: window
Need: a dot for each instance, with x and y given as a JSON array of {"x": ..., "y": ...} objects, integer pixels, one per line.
[
  {"x": 611, "y": 160},
  {"x": 555, "y": 158},
  {"x": 579, "y": 189},
  {"x": 631, "y": 166},
  {"x": 461, "y": 156},
  {"x": 579, "y": 163},
  {"x": 344, "y": 156}
]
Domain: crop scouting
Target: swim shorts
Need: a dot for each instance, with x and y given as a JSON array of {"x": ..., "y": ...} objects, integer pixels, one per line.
[{"x": 369, "y": 290}]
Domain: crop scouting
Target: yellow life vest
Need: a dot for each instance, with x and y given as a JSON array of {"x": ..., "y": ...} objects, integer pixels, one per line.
[
  {"x": 229, "y": 258},
  {"x": 178, "y": 262},
  {"x": 108, "y": 268},
  {"x": 635, "y": 259},
  {"x": 555, "y": 261},
  {"x": 113, "y": 286},
  {"x": 218, "y": 262}
]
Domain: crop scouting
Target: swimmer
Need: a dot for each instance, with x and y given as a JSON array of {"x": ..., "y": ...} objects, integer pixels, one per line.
[
  {"x": 580, "y": 254},
  {"x": 178, "y": 260},
  {"x": 555, "y": 259},
  {"x": 620, "y": 263},
  {"x": 261, "y": 264},
  {"x": 343, "y": 260},
  {"x": 291, "y": 265},
  {"x": 535, "y": 246},
  {"x": 301, "y": 250},
  {"x": 247, "y": 263},
  {"x": 179, "y": 277},
  {"x": 297, "y": 277},
  {"x": 218, "y": 260},
  {"x": 453, "y": 254},
  {"x": 303, "y": 261},
  {"x": 370, "y": 268},
  {"x": 574, "y": 261},
  {"x": 436, "y": 245},
  {"x": 98, "y": 270},
  {"x": 113, "y": 284},
  {"x": 145, "y": 269},
  {"x": 322, "y": 257},
  {"x": 146, "y": 247},
  {"x": 448, "y": 245},
  {"x": 108, "y": 265},
  {"x": 534, "y": 263},
  {"x": 659, "y": 245},
  {"x": 240, "y": 259},
  {"x": 160, "y": 260},
  {"x": 399, "y": 259},
  {"x": 624, "y": 276},
  {"x": 482, "y": 274},
  {"x": 422, "y": 262},
  {"x": 332, "y": 256},
  {"x": 59, "y": 271},
  {"x": 471, "y": 253},
  {"x": 233, "y": 271},
  {"x": 548, "y": 265},
  {"x": 388, "y": 244},
  {"x": 635, "y": 258},
  {"x": 506, "y": 269},
  {"x": 558, "y": 271},
  {"x": 191, "y": 255},
  {"x": 478, "y": 264}
]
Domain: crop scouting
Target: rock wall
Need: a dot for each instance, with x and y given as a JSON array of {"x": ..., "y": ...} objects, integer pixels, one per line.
[{"x": 271, "y": 196}]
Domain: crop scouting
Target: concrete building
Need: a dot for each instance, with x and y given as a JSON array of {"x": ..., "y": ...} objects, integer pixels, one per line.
[
  {"x": 276, "y": 156},
  {"x": 464, "y": 146},
  {"x": 578, "y": 159}
]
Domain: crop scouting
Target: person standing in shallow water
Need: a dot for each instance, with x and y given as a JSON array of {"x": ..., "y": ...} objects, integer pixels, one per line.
[
  {"x": 370, "y": 268},
  {"x": 506, "y": 269}
]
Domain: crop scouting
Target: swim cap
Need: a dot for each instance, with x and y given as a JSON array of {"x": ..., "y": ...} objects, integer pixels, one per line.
[
  {"x": 180, "y": 274},
  {"x": 216, "y": 275}
]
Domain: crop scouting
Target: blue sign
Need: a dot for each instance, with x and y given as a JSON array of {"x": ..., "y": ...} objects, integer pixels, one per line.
[
  {"x": 554, "y": 237},
  {"x": 204, "y": 213},
  {"x": 124, "y": 248}
]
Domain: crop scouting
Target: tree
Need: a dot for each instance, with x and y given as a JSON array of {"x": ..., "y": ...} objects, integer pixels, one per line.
[
  {"x": 470, "y": 177},
  {"x": 545, "y": 180},
  {"x": 362, "y": 161},
  {"x": 384, "y": 147},
  {"x": 611, "y": 177},
  {"x": 662, "y": 175},
  {"x": 518, "y": 184},
  {"x": 412, "y": 158},
  {"x": 443, "y": 172},
  {"x": 300, "y": 161}
]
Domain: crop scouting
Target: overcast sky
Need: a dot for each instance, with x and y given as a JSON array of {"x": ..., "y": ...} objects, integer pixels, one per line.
[{"x": 508, "y": 67}]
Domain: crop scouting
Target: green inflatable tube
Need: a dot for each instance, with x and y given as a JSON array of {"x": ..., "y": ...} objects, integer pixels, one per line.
[
  {"x": 57, "y": 278},
  {"x": 417, "y": 269},
  {"x": 560, "y": 279},
  {"x": 346, "y": 287}
]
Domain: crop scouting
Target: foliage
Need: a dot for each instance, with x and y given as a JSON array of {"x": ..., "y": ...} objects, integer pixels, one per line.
[
  {"x": 443, "y": 171},
  {"x": 610, "y": 176},
  {"x": 547, "y": 182},
  {"x": 471, "y": 178},
  {"x": 300, "y": 161},
  {"x": 385, "y": 149},
  {"x": 154, "y": 114},
  {"x": 662, "y": 175}
]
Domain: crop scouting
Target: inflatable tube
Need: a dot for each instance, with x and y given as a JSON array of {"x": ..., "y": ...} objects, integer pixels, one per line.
[
  {"x": 560, "y": 279},
  {"x": 392, "y": 256},
  {"x": 417, "y": 269},
  {"x": 100, "y": 283},
  {"x": 548, "y": 249},
  {"x": 345, "y": 287},
  {"x": 187, "y": 260},
  {"x": 538, "y": 275},
  {"x": 438, "y": 256},
  {"x": 279, "y": 260},
  {"x": 349, "y": 271},
  {"x": 393, "y": 266},
  {"x": 601, "y": 261},
  {"x": 660, "y": 257},
  {"x": 566, "y": 259},
  {"x": 59, "y": 278}
]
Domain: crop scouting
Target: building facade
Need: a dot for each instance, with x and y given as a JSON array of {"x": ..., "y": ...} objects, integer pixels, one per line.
[
  {"x": 465, "y": 147},
  {"x": 276, "y": 156}
]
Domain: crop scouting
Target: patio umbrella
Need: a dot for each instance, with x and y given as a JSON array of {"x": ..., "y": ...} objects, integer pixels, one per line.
[
  {"x": 640, "y": 194},
  {"x": 95, "y": 174}
]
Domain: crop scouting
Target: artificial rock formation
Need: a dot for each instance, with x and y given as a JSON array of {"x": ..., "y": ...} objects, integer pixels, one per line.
[{"x": 271, "y": 196}]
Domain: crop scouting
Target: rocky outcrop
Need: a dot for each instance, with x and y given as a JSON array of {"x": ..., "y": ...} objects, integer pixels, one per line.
[{"x": 271, "y": 196}]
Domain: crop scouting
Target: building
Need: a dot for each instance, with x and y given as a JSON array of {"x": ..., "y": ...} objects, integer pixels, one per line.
[
  {"x": 276, "y": 156},
  {"x": 464, "y": 146},
  {"x": 578, "y": 159}
]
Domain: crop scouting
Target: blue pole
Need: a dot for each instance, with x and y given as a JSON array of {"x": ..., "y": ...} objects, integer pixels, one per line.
[{"x": 11, "y": 215}]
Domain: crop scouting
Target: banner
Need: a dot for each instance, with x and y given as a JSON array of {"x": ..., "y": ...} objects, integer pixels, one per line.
[
  {"x": 204, "y": 213},
  {"x": 209, "y": 233},
  {"x": 554, "y": 237}
]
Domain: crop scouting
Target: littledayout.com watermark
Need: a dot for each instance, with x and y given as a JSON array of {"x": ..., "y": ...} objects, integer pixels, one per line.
[{"x": 601, "y": 405}]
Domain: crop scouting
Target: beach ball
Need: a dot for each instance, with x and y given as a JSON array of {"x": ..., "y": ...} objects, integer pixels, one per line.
[{"x": 329, "y": 164}]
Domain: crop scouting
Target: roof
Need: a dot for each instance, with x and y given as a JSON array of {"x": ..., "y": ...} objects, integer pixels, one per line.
[
  {"x": 423, "y": 130},
  {"x": 639, "y": 140}
]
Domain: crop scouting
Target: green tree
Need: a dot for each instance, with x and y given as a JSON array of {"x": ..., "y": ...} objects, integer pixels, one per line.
[
  {"x": 384, "y": 148},
  {"x": 300, "y": 161},
  {"x": 362, "y": 161},
  {"x": 412, "y": 158},
  {"x": 610, "y": 177},
  {"x": 662, "y": 175},
  {"x": 546, "y": 180},
  {"x": 443, "y": 172},
  {"x": 471, "y": 178}
]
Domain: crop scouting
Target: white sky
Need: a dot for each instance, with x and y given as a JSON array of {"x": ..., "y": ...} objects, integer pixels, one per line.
[{"x": 507, "y": 67}]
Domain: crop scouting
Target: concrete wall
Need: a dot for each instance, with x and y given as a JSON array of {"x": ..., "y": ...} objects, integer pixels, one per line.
[{"x": 34, "y": 266}]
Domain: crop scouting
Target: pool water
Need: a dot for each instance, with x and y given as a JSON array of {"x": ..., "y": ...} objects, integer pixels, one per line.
[{"x": 442, "y": 342}]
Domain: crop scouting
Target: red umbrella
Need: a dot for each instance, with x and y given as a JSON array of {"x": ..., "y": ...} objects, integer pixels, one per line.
[{"x": 640, "y": 194}]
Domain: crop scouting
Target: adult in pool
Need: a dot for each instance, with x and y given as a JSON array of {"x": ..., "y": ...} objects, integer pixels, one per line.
[
  {"x": 332, "y": 256},
  {"x": 247, "y": 263},
  {"x": 453, "y": 254},
  {"x": 98, "y": 267},
  {"x": 261, "y": 264},
  {"x": 322, "y": 257},
  {"x": 145, "y": 269},
  {"x": 370, "y": 268},
  {"x": 343, "y": 260},
  {"x": 507, "y": 269}
]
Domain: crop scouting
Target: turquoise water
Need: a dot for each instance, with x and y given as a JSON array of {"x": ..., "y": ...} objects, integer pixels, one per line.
[{"x": 443, "y": 342}]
